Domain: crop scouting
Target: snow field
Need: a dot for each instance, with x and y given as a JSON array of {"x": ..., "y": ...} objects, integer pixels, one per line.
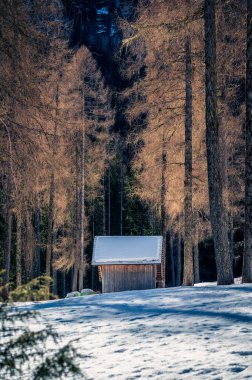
[{"x": 202, "y": 332}]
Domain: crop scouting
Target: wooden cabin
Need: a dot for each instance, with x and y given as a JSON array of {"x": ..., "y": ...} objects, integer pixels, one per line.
[{"x": 129, "y": 262}]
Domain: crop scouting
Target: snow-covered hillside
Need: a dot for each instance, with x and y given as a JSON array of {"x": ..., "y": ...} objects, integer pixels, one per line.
[{"x": 180, "y": 333}]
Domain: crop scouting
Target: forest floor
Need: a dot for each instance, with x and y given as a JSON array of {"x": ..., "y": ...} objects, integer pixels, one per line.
[{"x": 201, "y": 332}]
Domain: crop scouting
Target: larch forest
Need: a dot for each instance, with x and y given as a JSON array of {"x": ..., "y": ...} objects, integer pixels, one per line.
[{"x": 124, "y": 117}]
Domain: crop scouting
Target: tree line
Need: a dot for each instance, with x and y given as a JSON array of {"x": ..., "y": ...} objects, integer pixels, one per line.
[
  {"x": 195, "y": 161},
  {"x": 168, "y": 151}
]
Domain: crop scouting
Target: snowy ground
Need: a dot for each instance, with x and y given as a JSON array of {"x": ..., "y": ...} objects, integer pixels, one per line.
[{"x": 180, "y": 333}]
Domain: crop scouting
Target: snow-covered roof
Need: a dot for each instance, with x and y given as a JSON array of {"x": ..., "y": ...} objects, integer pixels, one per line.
[{"x": 127, "y": 250}]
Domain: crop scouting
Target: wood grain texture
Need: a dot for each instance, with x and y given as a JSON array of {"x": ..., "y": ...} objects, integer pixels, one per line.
[{"x": 116, "y": 278}]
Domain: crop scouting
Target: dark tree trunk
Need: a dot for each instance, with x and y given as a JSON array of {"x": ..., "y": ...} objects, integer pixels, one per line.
[
  {"x": 172, "y": 259},
  {"x": 188, "y": 278},
  {"x": 104, "y": 206},
  {"x": 82, "y": 270},
  {"x": 55, "y": 272},
  {"x": 71, "y": 278},
  {"x": 163, "y": 200},
  {"x": 121, "y": 198},
  {"x": 75, "y": 276},
  {"x": 52, "y": 194},
  {"x": 217, "y": 211},
  {"x": 18, "y": 249},
  {"x": 109, "y": 204},
  {"x": 247, "y": 259},
  {"x": 38, "y": 241},
  {"x": 196, "y": 253},
  {"x": 63, "y": 283},
  {"x": 196, "y": 263},
  {"x": 50, "y": 226},
  {"x": 76, "y": 225},
  {"x": 178, "y": 267},
  {"x": 7, "y": 251}
]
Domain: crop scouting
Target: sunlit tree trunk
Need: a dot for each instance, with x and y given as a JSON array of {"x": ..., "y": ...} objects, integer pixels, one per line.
[
  {"x": 247, "y": 259},
  {"x": 188, "y": 278},
  {"x": 217, "y": 212}
]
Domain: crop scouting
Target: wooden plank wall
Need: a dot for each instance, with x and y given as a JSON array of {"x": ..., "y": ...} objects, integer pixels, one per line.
[{"x": 116, "y": 278}]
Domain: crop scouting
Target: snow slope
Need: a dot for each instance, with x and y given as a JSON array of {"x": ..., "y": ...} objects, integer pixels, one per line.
[{"x": 175, "y": 333}]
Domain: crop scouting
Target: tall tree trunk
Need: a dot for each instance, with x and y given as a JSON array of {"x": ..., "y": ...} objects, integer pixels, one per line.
[
  {"x": 163, "y": 204},
  {"x": 38, "y": 241},
  {"x": 103, "y": 206},
  {"x": 63, "y": 283},
  {"x": 55, "y": 272},
  {"x": 109, "y": 203},
  {"x": 50, "y": 226},
  {"x": 179, "y": 267},
  {"x": 188, "y": 278},
  {"x": 82, "y": 211},
  {"x": 75, "y": 276},
  {"x": 196, "y": 263},
  {"x": 76, "y": 225},
  {"x": 121, "y": 198},
  {"x": 196, "y": 254},
  {"x": 247, "y": 259},
  {"x": 19, "y": 249},
  {"x": 223, "y": 127},
  {"x": 217, "y": 211},
  {"x": 172, "y": 259},
  {"x": 7, "y": 250},
  {"x": 52, "y": 193}
]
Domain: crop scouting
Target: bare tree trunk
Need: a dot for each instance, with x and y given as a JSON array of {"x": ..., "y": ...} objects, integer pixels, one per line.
[
  {"x": 217, "y": 211},
  {"x": 38, "y": 240},
  {"x": 104, "y": 206},
  {"x": 7, "y": 250},
  {"x": 76, "y": 228},
  {"x": 50, "y": 227},
  {"x": 172, "y": 259},
  {"x": 18, "y": 249},
  {"x": 75, "y": 276},
  {"x": 247, "y": 259},
  {"x": 63, "y": 283},
  {"x": 109, "y": 203},
  {"x": 196, "y": 263},
  {"x": 188, "y": 278},
  {"x": 223, "y": 127},
  {"x": 82, "y": 213},
  {"x": 55, "y": 272},
  {"x": 121, "y": 198},
  {"x": 52, "y": 194},
  {"x": 179, "y": 267},
  {"x": 163, "y": 204},
  {"x": 196, "y": 254}
]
